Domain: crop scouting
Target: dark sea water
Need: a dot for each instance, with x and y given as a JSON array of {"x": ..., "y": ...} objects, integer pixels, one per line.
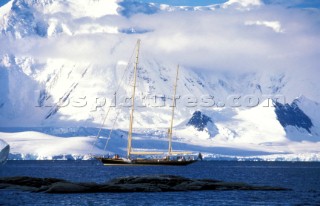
[{"x": 302, "y": 178}]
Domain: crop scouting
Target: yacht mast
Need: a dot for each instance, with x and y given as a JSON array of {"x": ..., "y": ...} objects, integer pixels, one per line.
[
  {"x": 129, "y": 147},
  {"x": 172, "y": 115}
]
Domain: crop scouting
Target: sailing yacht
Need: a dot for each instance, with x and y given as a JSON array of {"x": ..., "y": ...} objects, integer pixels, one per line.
[{"x": 171, "y": 158}]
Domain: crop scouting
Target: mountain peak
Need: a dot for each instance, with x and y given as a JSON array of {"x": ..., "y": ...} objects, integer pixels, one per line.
[{"x": 199, "y": 120}]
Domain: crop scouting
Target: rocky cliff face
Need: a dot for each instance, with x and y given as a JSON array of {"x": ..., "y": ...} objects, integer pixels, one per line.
[{"x": 4, "y": 151}]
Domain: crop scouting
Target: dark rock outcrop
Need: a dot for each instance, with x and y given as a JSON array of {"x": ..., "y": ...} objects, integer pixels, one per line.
[
  {"x": 159, "y": 183},
  {"x": 291, "y": 114},
  {"x": 199, "y": 120}
]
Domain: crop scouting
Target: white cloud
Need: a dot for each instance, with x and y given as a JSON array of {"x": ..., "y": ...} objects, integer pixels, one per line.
[
  {"x": 274, "y": 25},
  {"x": 219, "y": 39},
  {"x": 244, "y": 4}
]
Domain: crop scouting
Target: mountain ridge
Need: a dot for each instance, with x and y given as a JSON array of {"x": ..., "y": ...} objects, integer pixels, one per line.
[{"x": 64, "y": 64}]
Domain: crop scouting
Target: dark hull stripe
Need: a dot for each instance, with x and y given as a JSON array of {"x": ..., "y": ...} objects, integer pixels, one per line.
[{"x": 108, "y": 161}]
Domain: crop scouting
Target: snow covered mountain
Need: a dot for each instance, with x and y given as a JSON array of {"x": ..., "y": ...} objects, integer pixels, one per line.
[
  {"x": 244, "y": 91},
  {"x": 4, "y": 151}
]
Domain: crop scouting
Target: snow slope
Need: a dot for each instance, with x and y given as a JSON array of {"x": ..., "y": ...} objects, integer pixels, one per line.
[
  {"x": 30, "y": 145},
  {"x": 46, "y": 146},
  {"x": 61, "y": 63}
]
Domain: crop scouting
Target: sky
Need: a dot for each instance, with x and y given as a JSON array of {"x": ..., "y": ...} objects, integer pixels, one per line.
[
  {"x": 170, "y": 2},
  {"x": 292, "y": 3},
  {"x": 3, "y": 2},
  {"x": 186, "y": 2},
  {"x": 295, "y": 3}
]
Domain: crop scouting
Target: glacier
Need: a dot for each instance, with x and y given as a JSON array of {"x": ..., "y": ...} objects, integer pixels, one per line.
[{"x": 245, "y": 92}]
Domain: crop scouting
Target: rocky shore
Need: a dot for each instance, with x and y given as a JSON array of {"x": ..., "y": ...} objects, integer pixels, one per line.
[{"x": 155, "y": 183}]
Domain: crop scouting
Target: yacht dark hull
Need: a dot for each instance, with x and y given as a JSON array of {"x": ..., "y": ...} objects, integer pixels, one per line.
[
  {"x": 112, "y": 161},
  {"x": 141, "y": 162},
  {"x": 162, "y": 162}
]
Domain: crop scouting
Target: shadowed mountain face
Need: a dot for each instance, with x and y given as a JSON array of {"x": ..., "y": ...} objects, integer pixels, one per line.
[
  {"x": 199, "y": 120},
  {"x": 130, "y": 8},
  {"x": 4, "y": 151},
  {"x": 291, "y": 114}
]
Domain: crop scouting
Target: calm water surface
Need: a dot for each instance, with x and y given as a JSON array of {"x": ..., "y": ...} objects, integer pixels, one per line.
[{"x": 302, "y": 178}]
